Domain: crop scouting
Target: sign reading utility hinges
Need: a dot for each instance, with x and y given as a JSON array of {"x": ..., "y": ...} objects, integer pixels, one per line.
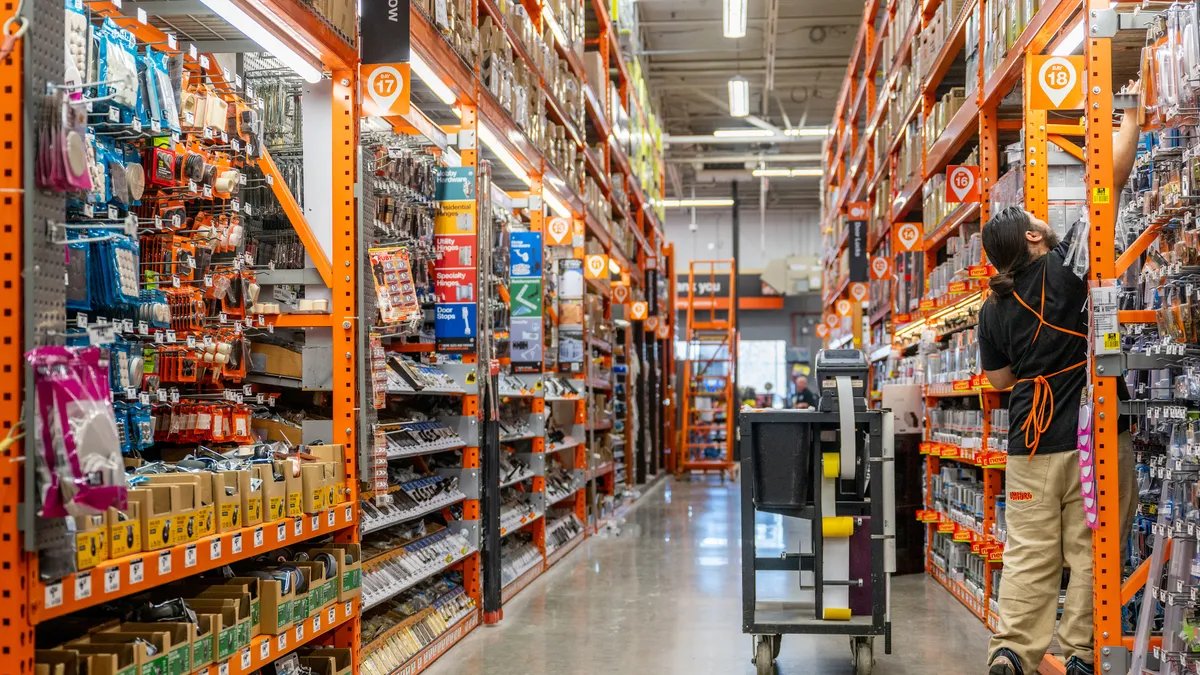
[
  {"x": 1059, "y": 83},
  {"x": 387, "y": 90},
  {"x": 962, "y": 183}
]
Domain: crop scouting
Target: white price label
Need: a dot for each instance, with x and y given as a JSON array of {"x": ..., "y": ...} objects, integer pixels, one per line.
[
  {"x": 190, "y": 556},
  {"x": 161, "y": 395},
  {"x": 114, "y": 115},
  {"x": 158, "y": 222},
  {"x": 175, "y": 281},
  {"x": 330, "y": 518},
  {"x": 112, "y": 580},
  {"x": 137, "y": 572},
  {"x": 172, "y": 44},
  {"x": 144, "y": 398},
  {"x": 300, "y": 632},
  {"x": 245, "y": 658},
  {"x": 83, "y": 585},
  {"x": 264, "y": 650},
  {"x": 224, "y": 137},
  {"x": 298, "y": 527},
  {"x": 89, "y": 211},
  {"x": 281, "y": 533},
  {"x": 143, "y": 328},
  {"x": 54, "y": 595},
  {"x": 281, "y": 643},
  {"x": 208, "y": 280},
  {"x": 214, "y": 549},
  {"x": 234, "y": 204},
  {"x": 207, "y": 191},
  {"x": 316, "y": 624},
  {"x": 246, "y": 208},
  {"x": 137, "y": 125},
  {"x": 349, "y": 606},
  {"x": 237, "y": 543},
  {"x": 204, "y": 62},
  {"x": 223, "y": 317},
  {"x": 171, "y": 336},
  {"x": 155, "y": 127},
  {"x": 258, "y": 537},
  {"x": 331, "y": 615},
  {"x": 270, "y": 179},
  {"x": 174, "y": 396},
  {"x": 316, "y": 523},
  {"x": 228, "y": 75},
  {"x": 347, "y": 513},
  {"x": 223, "y": 669}
]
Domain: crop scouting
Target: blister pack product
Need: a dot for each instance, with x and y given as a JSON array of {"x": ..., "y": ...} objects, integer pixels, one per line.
[
  {"x": 82, "y": 471},
  {"x": 118, "y": 65},
  {"x": 161, "y": 96},
  {"x": 75, "y": 45}
]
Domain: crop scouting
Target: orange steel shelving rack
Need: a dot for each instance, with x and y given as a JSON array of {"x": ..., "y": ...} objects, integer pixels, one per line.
[{"x": 710, "y": 370}]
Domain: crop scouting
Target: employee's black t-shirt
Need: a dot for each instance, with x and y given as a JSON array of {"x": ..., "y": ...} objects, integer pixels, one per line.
[{"x": 1006, "y": 338}]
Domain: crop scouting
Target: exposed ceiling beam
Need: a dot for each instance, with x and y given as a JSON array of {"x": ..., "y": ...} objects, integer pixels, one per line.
[
  {"x": 670, "y": 139},
  {"x": 791, "y": 21},
  {"x": 772, "y": 37},
  {"x": 752, "y": 119},
  {"x": 712, "y": 158},
  {"x": 749, "y": 65}
]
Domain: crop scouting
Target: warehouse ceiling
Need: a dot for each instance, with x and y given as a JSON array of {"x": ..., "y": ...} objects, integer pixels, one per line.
[{"x": 794, "y": 57}]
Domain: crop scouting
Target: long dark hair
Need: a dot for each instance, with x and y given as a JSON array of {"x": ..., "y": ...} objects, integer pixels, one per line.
[{"x": 1006, "y": 247}]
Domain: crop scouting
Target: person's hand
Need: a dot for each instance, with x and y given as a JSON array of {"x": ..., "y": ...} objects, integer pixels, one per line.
[{"x": 1135, "y": 88}]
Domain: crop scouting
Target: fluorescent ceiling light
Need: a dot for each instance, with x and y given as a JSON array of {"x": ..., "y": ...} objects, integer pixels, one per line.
[
  {"x": 689, "y": 203},
  {"x": 739, "y": 96},
  {"x": 1071, "y": 42},
  {"x": 730, "y": 133},
  {"x": 734, "y": 23},
  {"x": 808, "y": 131},
  {"x": 807, "y": 172},
  {"x": 431, "y": 79},
  {"x": 772, "y": 173},
  {"x": 265, "y": 39},
  {"x": 555, "y": 205},
  {"x": 489, "y": 139}
]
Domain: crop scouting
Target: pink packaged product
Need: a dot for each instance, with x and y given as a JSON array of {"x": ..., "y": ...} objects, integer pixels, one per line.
[{"x": 82, "y": 471}]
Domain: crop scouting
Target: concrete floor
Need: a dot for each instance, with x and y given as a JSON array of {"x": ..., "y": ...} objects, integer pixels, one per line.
[{"x": 664, "y": 596}]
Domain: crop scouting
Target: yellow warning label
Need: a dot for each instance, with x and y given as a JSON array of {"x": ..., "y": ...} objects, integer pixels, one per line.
[
  {"x": 1112, "y": 341},
  {"x": 470, "y": 378},
  {"x": 1100, "y": 195}
]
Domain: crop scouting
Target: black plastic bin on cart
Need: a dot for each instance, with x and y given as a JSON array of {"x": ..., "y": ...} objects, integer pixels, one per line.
[{"x": 781, "y": 469}]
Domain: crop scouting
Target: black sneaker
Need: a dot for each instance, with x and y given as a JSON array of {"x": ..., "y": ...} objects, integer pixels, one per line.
[
  {"x": 1004, "y": 662},
  {"x": 1077, "y": 667}
]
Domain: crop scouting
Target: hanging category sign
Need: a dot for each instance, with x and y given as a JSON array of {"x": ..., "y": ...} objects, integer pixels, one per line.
[
  {"x": 525, "y": 302},
  {"x": 558, "y": 231},
  {"x": 638, "y": 311},
  {"x": 596, "y": 266},
  {"x": 652, "y": 323},
  {"x": 822, "y": 331},
  {"x": 907, "y": 237},
  {"x": 384, "y": 31},
  {"x": 858, "y": 240},
  {"x": 1059, "y": 83},
  {"x": 664, "y": 331},
  {"x": 962, "y": 183},
  {"x": 881, "y": 267},
  {"x": 843, "y": 307},
  {"x": 858, "y": 291},
  {"x": 620, "y": 294},
  {"x": 455, "y": 267}
]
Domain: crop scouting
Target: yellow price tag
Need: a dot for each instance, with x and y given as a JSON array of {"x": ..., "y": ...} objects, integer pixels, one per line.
[
  {"x": 1112, "y": 341},
  {"x": 1100, "y": 195}
]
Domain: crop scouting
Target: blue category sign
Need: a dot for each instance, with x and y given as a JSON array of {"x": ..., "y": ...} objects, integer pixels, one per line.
[
  {"x": 455, "y": 184},
  {"x": 525, "y": 254},
  {"x": 525, "y": 344},
  {"x": 454, "y": 326}
]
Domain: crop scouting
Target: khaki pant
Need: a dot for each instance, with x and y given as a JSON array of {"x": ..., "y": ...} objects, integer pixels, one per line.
[{"x": 1047, "y": 528}]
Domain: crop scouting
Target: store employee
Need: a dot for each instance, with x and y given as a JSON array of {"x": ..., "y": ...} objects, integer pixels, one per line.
[
  {"x": 1033, "y": 338},
  {"x": 803, "y": 399}
]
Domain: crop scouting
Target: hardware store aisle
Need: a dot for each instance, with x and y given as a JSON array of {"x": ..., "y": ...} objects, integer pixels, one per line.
[{"x": 664, "y": 596}]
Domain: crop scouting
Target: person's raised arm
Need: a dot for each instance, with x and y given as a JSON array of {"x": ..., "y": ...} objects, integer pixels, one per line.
[{"x": 1125, "y": 143}]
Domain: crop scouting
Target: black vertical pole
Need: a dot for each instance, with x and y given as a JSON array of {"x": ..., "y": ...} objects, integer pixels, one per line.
[
  {"x": 733, "y": 312},
  {"x": 489, "y": 481}
]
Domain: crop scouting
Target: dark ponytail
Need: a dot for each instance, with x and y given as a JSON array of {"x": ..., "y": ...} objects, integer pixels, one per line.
[{"x": 1006, "y": 247}]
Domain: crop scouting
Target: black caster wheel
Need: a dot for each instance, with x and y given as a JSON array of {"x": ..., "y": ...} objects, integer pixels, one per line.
[
  {"x": 863, "y": 649},
  {"x": 764, "y": 655}
]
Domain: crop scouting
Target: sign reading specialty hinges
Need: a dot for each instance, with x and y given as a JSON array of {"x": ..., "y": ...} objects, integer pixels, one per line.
[
  {"x": 1059, "y": 83},
  {"x": 384, "y": 28},
  {"x": 387, "y": 89},
  {"x": 455, "y": 269}
]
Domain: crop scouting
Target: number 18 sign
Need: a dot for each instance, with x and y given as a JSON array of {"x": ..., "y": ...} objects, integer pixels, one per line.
[{"x": 1059, "y": 83}]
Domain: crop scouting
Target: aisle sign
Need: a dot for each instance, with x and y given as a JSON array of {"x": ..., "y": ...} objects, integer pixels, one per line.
[
  {"x": 596, "y": 266},
  {"x": 525, "y": 254},
  {"x": 620, "y": 294},
  {"x": 881, "y": 267},
  {"x": 525, "y": 297},
  {"x": 638, "y": 311},
  {"x": 962, "y": 183},
  {"x": 831, "y": 320},
  {"x": 525, "y": 302},
  {"x": 858, "y": 291},
  {"x": 843, "y": 307},
  {"x": 387, "y": 89},
  {"x": 559, "y": 231},
  {"x": 455, "y": 242},
  {"x": 1059, "y": 84},
  {"x": 857, "y": 243},
  {"x": 664, "y": 331},
  {"x": 525, "y": 343},
  {"x": 822, "y": 331},
  {"x": 907, "y": 237},
  {"x": 384, "y": 32},
  {"x": 652, "y": 323}
]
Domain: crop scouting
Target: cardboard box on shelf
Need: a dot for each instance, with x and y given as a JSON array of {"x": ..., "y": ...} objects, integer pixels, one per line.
[
  {"x": 349, "y": 559},
  {"x": 230, "y": 490},
  {"x": 148, "y": 654},
  {"x": 158, "y": 505},
  {"x": 249, "y": 607},
  {"x": 126, "y": 658},
  {"x": 57, "y": 662},
  {"x": 335, "y": 457},
  {"x": 204, "y": 643},
  {"x": 315, "y": 489},
  {"x": 294, "y": 486},
  {"x": 196, "y": 504},
  {"x": 124, "y": 530},
  {"x": 252, "y": 501},
  {"x": 235, "y": 621},
  {"x": 271, "y": 430},
  {"x": 318, "y": 587},
  {"x": 274, "y": 492},
  {"x": 275, "y": 616},
  {"x": 91, "y": 541},
  {"x": 275, "y": 360},
  {"x": 343, "y": 659},
  {"x": 179, "y": 653}
]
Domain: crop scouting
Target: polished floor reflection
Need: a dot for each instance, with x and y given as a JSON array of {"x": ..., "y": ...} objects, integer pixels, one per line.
[{"x": 664, "y": 596}]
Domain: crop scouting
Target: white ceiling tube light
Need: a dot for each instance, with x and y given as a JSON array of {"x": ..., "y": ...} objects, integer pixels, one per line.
[
  {"x": 264, "y": 38},
  {"x": 431, "y": 79},
  {"x": 787, "y": 173},
  {"x": 739, "y": 96},
  {"x": 735, "y": 18},
  {"x": 743, "y": 133},
  {"x": 489, "y": 139},
  {"x": 694, "y": 203},
  {"x": 809, "y": 132}
]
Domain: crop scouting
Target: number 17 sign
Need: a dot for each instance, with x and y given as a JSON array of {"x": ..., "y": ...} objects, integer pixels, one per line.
[{"x": 387, "y": 90}]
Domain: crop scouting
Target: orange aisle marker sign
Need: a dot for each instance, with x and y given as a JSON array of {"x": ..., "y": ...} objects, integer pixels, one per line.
[
  {"x": 822, "y": 331},
  {"x": 831, "y": 320},
  {"x": 387, "y": 91},
  {"x": 596, "y": 266},
  {"x": 858, "y": 291},
  {"x": 857, "y": 210},
  {"x": 908, "y": 236},
  {"x": 620, "y": 294},
  {"x": 1059, "y": 85},
  {"x": 559, "y": 229},
  {"x": 843, "y": 307},
  {"x": 881, "y": 267},
  {"x": 652, "y": 323},
  {"x": 962, "y": 182},
  {"x": 663, "y": 331},
  {"x": 638, "y": 311}
]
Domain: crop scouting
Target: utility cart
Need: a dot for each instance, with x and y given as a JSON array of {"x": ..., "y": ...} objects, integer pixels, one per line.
[{"x": 832, "y": 467}]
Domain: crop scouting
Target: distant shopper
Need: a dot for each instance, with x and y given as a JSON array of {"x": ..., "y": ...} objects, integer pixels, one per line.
[
  {"x": 803, "y": 399},
  {"x": 1033, "y": 338}
]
